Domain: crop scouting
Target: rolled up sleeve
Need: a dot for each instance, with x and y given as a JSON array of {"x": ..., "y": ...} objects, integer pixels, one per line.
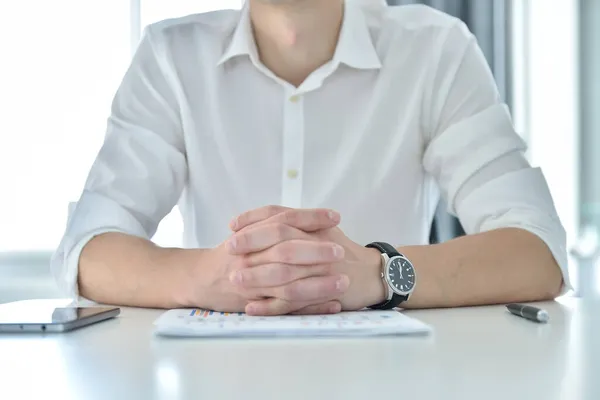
[
  {"x": 140, "y": 171},
  {"x": 478, "y": 159}
]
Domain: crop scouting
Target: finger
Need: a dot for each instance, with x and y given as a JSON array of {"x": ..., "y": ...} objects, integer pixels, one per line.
[
  {"x": 275, "y": 306},
  {"x": 269, "y": 307},
  {"x": 256, "y": 238},
  {"x": 313, "y": 290},
  {"x": 331, "y": 307},
  {"x": 254, "y": 216},
  {"x": 308, "y": 220},
  {"x": 273, "y": 275},
  {"x": 297, "y": 252}
]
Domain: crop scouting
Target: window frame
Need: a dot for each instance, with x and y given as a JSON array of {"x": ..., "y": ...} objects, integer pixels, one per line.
[
  {"x": 536, "y": 25},
  {"x": 34, "y": 265}
]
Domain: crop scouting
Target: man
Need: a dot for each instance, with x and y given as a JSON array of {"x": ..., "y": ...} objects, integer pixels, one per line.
[{"x": 294, "y": 135}]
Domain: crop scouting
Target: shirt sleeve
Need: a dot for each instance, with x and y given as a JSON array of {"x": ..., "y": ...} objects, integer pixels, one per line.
[
  {"x": 140, "y": 170},
  {"x": 476, "y": 156}
]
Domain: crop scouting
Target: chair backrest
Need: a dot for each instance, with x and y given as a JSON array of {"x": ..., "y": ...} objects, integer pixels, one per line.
[{"x": 444, "y": 226}]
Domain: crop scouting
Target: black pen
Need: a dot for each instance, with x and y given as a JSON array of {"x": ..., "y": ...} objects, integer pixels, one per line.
[{"x": 528, "y": 312}]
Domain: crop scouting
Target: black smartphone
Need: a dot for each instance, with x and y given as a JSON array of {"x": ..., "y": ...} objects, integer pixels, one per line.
[{"x": 60, "y": 319}]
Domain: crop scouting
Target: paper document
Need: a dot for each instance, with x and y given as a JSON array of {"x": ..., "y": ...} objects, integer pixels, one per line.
[{"x": 198, "y": 322}]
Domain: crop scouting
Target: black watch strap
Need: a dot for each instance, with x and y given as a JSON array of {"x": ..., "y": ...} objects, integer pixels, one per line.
[
  {"x": 396, "y": 300},
  {"x": 385, "y": 248}
]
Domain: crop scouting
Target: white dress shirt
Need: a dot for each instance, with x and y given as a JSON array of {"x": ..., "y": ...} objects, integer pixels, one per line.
[{"x": 406, "y": 110}]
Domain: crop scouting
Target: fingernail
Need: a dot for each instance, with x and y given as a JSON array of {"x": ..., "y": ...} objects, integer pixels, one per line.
[
  {"x": 233, "y": 224},
  {"x": 338, "y": 251},
  {"x": 334, "y": 216},
  {"x": 342, "y": 283},
  {"x": 334, "y": 309},
  {"x": 232, "y": 244}
]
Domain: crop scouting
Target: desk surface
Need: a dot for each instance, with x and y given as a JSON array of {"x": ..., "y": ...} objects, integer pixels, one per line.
[{"x": 474, "y": 353}]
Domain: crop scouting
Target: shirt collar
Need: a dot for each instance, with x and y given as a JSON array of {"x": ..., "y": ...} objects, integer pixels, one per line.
[
  {"x": 355, "y": 46},
  {"x": 242, "y": 42}
]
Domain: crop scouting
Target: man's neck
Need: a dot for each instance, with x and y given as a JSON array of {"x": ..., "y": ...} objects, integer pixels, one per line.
[{"x": 296, "y": 37}]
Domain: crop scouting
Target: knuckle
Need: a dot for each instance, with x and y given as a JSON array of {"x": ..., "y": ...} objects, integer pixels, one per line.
[
  {"x": 285, "y": 254},
  {"x": 326, "y": 269},
  {"x": 285, "y": 273},
  {"x": 241, "y": 263},
  {"x": 280, "y": 232},
  {"x": 323, "y": 288},
  {"x": 241, "y": 240},
  {"x": 282, "y": 307},
  {"x": 247, "y": 275},
  {"x": 289, "y": 292},
  {"x": 324, "y": 251},
  {"x": 291, "y": 217},
  {"x": 241, "y": 220},
  {"x": 273, "y": 210}
]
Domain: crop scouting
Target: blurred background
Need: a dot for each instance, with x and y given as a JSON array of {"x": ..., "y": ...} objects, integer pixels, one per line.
[{"x": 61, "y": 65}]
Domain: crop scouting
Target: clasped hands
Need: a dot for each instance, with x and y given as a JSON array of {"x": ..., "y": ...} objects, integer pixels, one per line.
[{"x": 293, "y": 261}]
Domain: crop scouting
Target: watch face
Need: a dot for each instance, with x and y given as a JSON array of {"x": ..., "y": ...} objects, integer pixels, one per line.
[{"x": 401, "y": 275}]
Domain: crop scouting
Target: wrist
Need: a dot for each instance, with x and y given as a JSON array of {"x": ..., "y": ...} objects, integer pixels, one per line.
[
  {"x": 186, "y": 284},
  {"x": 376, "y": 292},
  {"x": 205, "y": 281}
]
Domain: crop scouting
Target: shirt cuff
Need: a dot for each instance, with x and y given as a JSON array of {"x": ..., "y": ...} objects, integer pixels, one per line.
[
  {"x": 519, "y": 199},
  {"x": 462, "y": 150},
  {"x": 65, "y": 265},
  {"x": 93, "y": 215}
]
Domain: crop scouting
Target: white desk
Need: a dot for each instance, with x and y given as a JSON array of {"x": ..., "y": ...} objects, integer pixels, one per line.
[{"x": 477, "y": 353}]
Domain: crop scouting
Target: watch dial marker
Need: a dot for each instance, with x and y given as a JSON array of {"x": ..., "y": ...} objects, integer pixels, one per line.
[{"x": 401, "y": 275}]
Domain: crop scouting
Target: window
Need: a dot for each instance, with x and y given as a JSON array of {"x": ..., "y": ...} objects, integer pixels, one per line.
[
  {"x": 60, "y": 69},
  {"x": 546, "y": 67}
]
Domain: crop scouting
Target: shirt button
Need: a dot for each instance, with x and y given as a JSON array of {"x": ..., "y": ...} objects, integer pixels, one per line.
[
  {"x": 292, "y": 173},
  {"x": 295, "y": 99}
]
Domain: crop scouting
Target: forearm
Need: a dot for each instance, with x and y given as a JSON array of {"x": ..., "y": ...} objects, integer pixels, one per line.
[
  {"x": 120, "y": 269},
  {"x": 500, "y": 266}
]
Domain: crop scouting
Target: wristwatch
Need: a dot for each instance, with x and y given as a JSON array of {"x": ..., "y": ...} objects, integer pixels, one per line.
[{"x": 398, "y": 276}]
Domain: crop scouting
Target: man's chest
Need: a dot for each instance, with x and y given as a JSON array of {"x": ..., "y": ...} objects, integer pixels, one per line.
[{"x": 255, "y": 138}]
